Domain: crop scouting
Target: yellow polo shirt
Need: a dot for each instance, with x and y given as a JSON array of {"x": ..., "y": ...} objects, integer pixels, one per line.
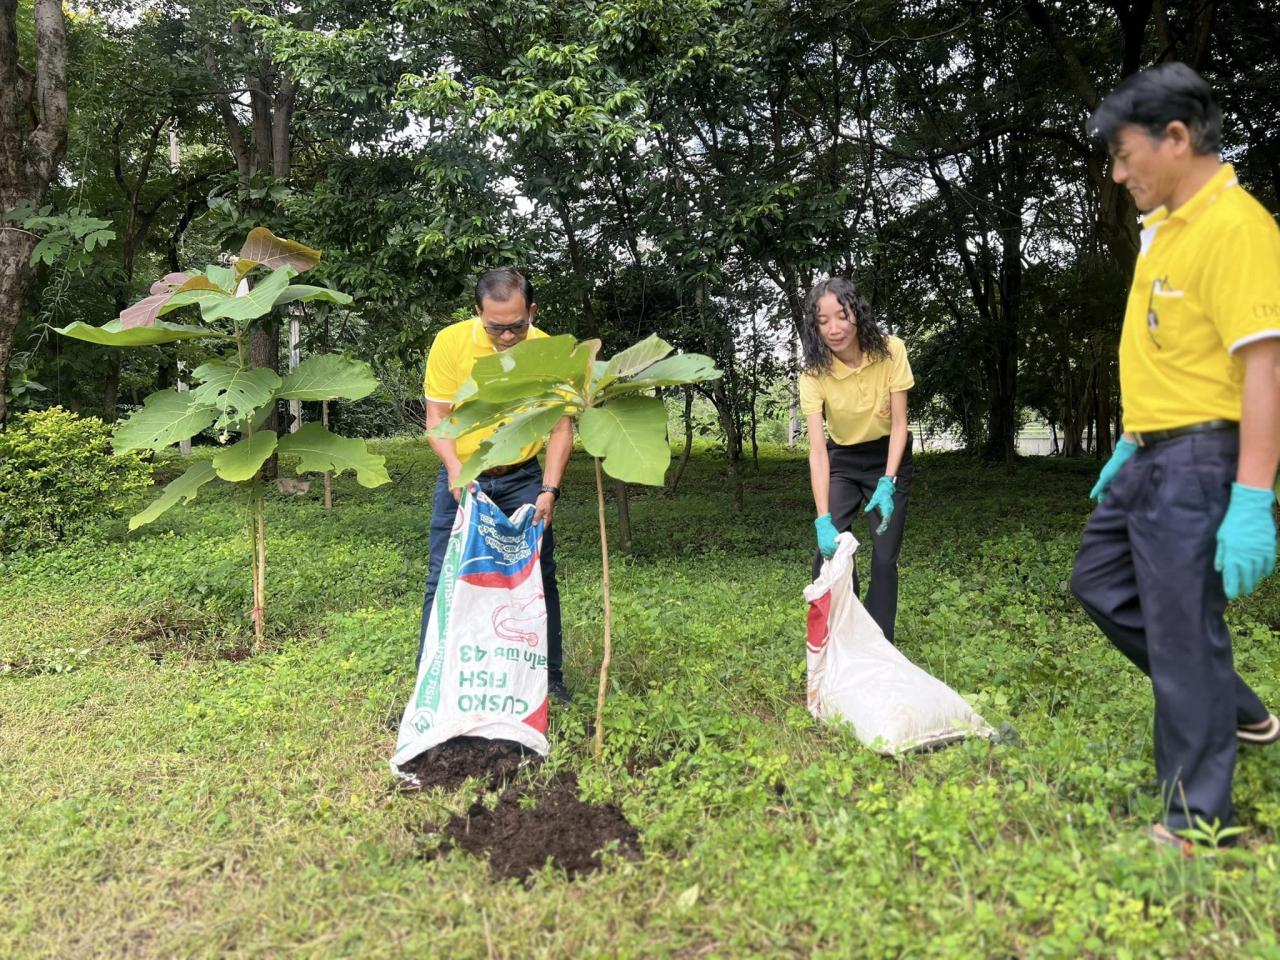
[
  {"x": 855, "y": 400},
  {"x": 453, "y": 353},
  {"x": 1207, "y": 282}
]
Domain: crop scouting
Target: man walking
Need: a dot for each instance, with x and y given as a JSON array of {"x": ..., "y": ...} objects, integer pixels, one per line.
[
  {"x": 505, "y": 310},
  {"x": 1184, "y": 521}
]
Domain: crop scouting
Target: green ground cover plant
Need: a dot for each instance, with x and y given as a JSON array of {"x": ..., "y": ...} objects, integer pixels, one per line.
[{"x": 162, "y": 797}]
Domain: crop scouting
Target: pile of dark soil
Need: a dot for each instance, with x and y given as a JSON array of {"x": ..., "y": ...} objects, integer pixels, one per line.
[
  {"x": 520, "y": 838},
  {"x": 494, "y": 762}
]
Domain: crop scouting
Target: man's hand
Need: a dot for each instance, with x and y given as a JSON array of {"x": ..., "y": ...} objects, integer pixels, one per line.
[
  {"x": 1246, "y": 540},
  {"x": 544, "y": 507},
  {"x": 454, "y": 470},
  {"x": 1125, "y": 449}
]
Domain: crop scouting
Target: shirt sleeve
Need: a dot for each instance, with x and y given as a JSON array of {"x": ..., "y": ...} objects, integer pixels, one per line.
[
  {"x": 810, "y": 394},
  {"x": 1242, "y": 284},
  {"x": 441, "y": 381},
  {"x": 900, "y": 378}
]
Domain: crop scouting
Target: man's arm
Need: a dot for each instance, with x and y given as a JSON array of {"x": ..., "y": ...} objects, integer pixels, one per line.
[
  {"x": 445, "y": 449},
  {"x": 1260, "y": 415},
  {"x": 558, "y": 449}
]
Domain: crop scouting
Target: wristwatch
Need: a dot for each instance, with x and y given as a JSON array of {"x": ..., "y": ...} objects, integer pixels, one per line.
[{"x": 548, "y": 488}]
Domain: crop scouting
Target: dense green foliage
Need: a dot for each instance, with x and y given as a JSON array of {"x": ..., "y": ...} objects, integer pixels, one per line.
[
  {"x": 164, "y": 802},
  {"x": 58, "y": 475},
  {"x": 688, "y": 168}
]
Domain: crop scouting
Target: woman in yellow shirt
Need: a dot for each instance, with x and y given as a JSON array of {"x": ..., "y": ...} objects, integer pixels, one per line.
[{"x": 854, "y": 382}]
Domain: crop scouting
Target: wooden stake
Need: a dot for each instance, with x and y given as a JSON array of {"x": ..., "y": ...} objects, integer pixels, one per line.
[{"x": 608, "y": 618}]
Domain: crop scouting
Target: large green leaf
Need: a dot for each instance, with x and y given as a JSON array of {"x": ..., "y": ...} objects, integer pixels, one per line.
[
  {"x": 509, "y": 443},
  {"x": 207, "y": 297},
  {"x": 682, "y": 369},
  {"x": 262, "y": 248},
  {"x": 631, "y": 435},
  {"x": 236, "y": 391},
  {"x": 634, "y": 359},
  {"x": 477, "y": 414},
  {"x": 319, "y": 450},
  {"x": 306, "y": 294},
  {"x": 531, "y": 368},
  {"x": 243, "y": 459},
  {"x": 114, "y": 334},
  {"x": 166, "y": 417},
  {"x": 328, "y": 377},
  {"x": 182, "y": 489},
  {"x": 256, "y": 303},
  {"x": 224, "y": 278}
]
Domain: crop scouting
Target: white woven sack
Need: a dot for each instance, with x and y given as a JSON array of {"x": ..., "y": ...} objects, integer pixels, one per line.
[{"x": 858, "y": 677}]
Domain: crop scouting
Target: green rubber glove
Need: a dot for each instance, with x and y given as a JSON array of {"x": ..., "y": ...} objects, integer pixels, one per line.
[
  {"x": 827, "y": 534},
  {"x": 1246, "y": 540},
  {"x": 882, "y": 500},
  {"x": 1123, "y": 451}
]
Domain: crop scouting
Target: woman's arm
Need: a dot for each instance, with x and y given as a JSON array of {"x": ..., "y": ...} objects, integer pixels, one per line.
[
  {"x": 819, "y": 466},
  {"x": 897, "y": 432}
]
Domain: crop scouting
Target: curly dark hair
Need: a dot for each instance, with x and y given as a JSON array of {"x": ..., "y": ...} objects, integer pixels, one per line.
[{"x": 871, "y": 339}]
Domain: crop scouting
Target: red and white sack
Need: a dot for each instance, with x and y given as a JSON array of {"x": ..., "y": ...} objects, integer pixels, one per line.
[
  {"x": 858, "y": 677},
  {"x": 484, "y": 664}
]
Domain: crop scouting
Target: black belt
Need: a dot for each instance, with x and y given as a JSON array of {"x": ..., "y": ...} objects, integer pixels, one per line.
[
  {"x": 1149, "y": 438},
  {"x": 506, "y": 468}
]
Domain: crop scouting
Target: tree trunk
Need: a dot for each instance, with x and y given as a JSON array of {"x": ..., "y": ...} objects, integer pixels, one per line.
[
  {"x": 688, "y": 441},
  {"x": 264, "y": 351},
  {"x": 111, "y": 387},
  {"x": 732, "y": 443},
  {"x": 15, "y": 274},
  {"x": 33, "y": 140}
]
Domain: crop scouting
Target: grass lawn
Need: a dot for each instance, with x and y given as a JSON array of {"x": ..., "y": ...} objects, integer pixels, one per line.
[{"x": 164, "y": 795}]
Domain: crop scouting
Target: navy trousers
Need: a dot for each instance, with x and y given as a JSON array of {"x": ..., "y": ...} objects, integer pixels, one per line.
[
  {"x": 509, "y": 492},
  {"x": 855, "y": 471},
  {"x": 1145, "y": 575}
]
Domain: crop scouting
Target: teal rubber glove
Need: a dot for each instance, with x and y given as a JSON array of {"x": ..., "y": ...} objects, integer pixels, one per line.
[
  {"x": 826, "y": 535},
  {"x": 1123, "y": 451},
  {"x": 1246, "y": 540},
  {"x": 882, "y": 500}
]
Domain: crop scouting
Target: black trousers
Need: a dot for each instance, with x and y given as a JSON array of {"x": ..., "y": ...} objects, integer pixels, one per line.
[
  {"x": 1145, "y": 575},
  {"x": 855, "y": 471}
]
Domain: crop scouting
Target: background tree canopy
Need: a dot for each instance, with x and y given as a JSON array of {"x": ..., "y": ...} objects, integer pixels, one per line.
[{"x": 687, "y": 168}]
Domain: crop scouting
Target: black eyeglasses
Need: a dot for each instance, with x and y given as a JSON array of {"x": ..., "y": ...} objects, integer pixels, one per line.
[{"x": 498, "y": 329}]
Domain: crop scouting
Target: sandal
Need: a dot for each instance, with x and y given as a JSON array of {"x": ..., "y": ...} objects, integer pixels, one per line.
[
  {"x": 1269, "y": 732},
  {"x": 1163, "y": 836}
]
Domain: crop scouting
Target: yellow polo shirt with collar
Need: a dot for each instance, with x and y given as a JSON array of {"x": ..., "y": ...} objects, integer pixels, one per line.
[
  {"x": 1207, "y": 282},
  {"x": 855, "y": 400},
  {"x": 453, "y": 353}
]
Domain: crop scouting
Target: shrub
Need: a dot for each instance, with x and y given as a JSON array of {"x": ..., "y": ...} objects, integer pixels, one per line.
[{"x": 58, "y": 475}]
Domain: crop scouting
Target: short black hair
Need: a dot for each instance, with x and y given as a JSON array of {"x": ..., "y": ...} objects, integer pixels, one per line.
[
  {"x": 1156, "y": 97},
  {"x": 501, "y": 283}
]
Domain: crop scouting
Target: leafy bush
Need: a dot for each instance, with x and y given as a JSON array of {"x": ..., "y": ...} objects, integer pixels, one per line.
[{"x": 58, "y": 475}]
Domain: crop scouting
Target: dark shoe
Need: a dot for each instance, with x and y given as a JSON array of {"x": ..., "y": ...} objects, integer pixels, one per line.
[{"x": 559, "y": 691}]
